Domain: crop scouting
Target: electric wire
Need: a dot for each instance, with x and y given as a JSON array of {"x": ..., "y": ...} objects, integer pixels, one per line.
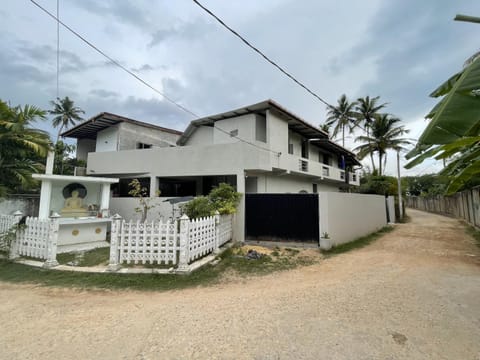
[
  {"x": 181, "y": 107},
  {"x": 262, "y": 54}
]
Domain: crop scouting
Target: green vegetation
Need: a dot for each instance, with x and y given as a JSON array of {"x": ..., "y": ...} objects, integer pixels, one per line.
[
  {"x": 358, "y": 243},
  {"x": 473, "y": 232},
  {"x": 93, "y": 257},
  {"x": 144, "y": 199},
  {"x": 222, "y": 198},
  {"x": 66, "y": 114},
  {"x": 22, "y": 147},
  {"x": 231, "y": 260},
  {"x": 453, "y": 134}
]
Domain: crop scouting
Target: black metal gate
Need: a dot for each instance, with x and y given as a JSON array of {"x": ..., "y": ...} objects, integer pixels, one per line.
[{"x": 282, "y": 217}]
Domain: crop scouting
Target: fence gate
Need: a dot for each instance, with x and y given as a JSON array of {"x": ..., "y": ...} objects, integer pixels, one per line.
[{"x": 282, "y": 217}]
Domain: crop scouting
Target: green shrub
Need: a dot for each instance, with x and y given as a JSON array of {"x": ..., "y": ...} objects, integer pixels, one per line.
[
  {"x": 199, "y": 207},
  {"x": 222, "y": 198}
]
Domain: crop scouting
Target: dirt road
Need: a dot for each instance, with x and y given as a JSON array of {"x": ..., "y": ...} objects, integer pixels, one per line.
[{"x": 414, "y": 294}]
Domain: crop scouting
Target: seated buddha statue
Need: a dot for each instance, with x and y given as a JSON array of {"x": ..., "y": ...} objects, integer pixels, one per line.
[{"x": 73, "y": 206}]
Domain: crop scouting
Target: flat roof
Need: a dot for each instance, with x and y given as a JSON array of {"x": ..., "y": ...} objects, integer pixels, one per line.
[{"x": 89, "y": 129}]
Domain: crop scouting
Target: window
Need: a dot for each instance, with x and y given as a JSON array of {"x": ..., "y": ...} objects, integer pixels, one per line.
[
  {"x": 314, "y": 188},
  {"x": 261, "y": 128},
  {"x": 305, "y": 149},
  {"x": 177, "y": 187},
  {"x": 290, "y": 149},
  {"x": 326, "y": 159},
  {"x": 143, "y": 146}
]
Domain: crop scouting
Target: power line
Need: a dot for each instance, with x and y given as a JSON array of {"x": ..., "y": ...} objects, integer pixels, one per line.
[
  {"x": 140, "y": 79},
  {"x": 246, "y": 42},
  {"x": 114, "y": 61}
]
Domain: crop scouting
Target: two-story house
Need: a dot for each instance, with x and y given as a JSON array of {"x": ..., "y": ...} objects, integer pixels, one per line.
[{"x": 261, "y": 148}]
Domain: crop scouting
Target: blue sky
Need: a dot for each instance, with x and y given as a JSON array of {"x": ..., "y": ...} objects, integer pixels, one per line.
[{"x": 397, "y": 49}]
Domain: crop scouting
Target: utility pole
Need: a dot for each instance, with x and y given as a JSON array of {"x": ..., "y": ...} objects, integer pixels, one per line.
[{"x": 400, "y": 202}]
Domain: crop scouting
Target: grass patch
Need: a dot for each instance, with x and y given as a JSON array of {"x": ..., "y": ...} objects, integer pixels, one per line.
[
  {"x": 473, "y": 232},
  {"x": 98, "y": 256},
  {"x": 358, "y": 243},
  {"x": 232, "y": 259}
]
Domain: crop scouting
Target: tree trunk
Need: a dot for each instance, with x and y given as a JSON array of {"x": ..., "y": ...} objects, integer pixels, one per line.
[{"x": 379, "y": 163}]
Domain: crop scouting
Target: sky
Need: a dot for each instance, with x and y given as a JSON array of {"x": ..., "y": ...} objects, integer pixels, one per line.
[{"x": 400, "y": 50}]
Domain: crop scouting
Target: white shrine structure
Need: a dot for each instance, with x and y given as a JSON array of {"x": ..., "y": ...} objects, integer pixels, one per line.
[{"x": 83, "y": 205}]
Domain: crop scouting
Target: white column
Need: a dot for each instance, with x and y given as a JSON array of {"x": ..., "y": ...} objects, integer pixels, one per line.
[
  {"x": 45, "y": 198},
  {"x": 105, "y": 200},
  {"x": 153, "y": 186},
  {"x": 239, "y": 230},
  {"x": 184, "y": 246},
  {"x": 52, "y": 242},
  {"x": 113, "y": 264},
  {"x": 50, "y": 162}
]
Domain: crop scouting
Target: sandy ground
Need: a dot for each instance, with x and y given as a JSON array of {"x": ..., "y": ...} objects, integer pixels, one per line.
[{"x": 414, "y": 294}]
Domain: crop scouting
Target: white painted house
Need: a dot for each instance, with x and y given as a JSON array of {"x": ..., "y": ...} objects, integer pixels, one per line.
[{"x": 261, "y": 148}]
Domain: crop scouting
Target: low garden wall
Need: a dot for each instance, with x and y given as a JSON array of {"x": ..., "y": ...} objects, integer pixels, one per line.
[{"x": 346, "y": 217}]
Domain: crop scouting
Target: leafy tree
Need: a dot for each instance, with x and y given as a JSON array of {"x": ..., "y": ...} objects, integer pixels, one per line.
[
  {"x": 454, "y": 128},
  {"x": 199, "y": 207},
  {"x": 22, "y": 148},
  {"x": 65, "y": 163},
  {"x": 366, "y": 111},
  {"x": 66, "y": 114},
  {"x": 425, "y": 185},
  {"x": 341, "y": 116},
  {"x": 384, "y": 135}
]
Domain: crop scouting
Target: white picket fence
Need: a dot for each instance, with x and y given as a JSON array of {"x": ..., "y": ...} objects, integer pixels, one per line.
[
  {"x": 7, "y": 221},
  {"x": 36, "y": 238},
  {"x": 167, "y": 243}
]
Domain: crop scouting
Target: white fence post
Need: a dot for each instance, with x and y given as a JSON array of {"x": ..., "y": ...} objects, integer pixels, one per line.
[
  {"x": 184, "y": 245},
  {"x": 113, "y": 264},
  {"x": 216, "y": 249},
  {"x": 52, "y": 241}
]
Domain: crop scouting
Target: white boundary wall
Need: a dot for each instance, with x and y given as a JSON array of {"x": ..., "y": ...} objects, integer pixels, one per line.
[{"x": 346, "y": 217}]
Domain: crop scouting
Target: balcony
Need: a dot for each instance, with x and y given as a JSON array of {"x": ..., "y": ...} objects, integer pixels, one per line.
[{"x": 314, "y": 169}]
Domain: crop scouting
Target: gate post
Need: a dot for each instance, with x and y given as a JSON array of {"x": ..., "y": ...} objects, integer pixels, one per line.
[
  {"x": 52, "y": 241},
  {"x": 113, "y": 264},
  {"x": 184, "y": 245},
  {"x": 216, "y": 249}
]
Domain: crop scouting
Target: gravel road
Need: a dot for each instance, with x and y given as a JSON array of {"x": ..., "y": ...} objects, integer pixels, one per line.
[{"x": 413, "y": 294}]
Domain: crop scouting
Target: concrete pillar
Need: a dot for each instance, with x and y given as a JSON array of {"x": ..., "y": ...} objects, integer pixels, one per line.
[
  {"x": 45, "y": 199},
  {"x": 114, "y": 262},
  {"x": 239, "y": 230},
  {"x": 105, "y": 199},
  {"x": 153, "y": 186},
  {"x": 52, "y": 241},
  {"x": 184, "y": 246},
  {"x": 50, "y": 162}
]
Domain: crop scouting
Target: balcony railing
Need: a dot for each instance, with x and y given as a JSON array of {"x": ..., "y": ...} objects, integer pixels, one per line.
[{"x": 316, "y": 169}]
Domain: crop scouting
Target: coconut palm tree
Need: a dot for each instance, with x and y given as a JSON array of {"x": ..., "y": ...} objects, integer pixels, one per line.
[
  {"x": 384, "y": 135},
  {"x": 341, "y": 116},
  {"x": 66, "y": 114},
  {"x": 21, "y": 146},
  {"x": 366, "y": 110}
]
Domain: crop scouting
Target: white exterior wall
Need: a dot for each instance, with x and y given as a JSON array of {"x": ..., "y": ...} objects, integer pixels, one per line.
[
  {"x": 222, "y": 159},
  {"x": 296, "y": 140},
  {"x": 131, "y": 134},
  {"x": 107, "y": 140},
  {"x": 244, "y": 124},
  {"x": 203, "y": 135},
  {"x": 84, "y": 146},
  {"x": 277, "y": 133},
  {"x": 125, "y": 207},
  {"x": 289, "y": 184},
  {"x": 346, "y": 217}
]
